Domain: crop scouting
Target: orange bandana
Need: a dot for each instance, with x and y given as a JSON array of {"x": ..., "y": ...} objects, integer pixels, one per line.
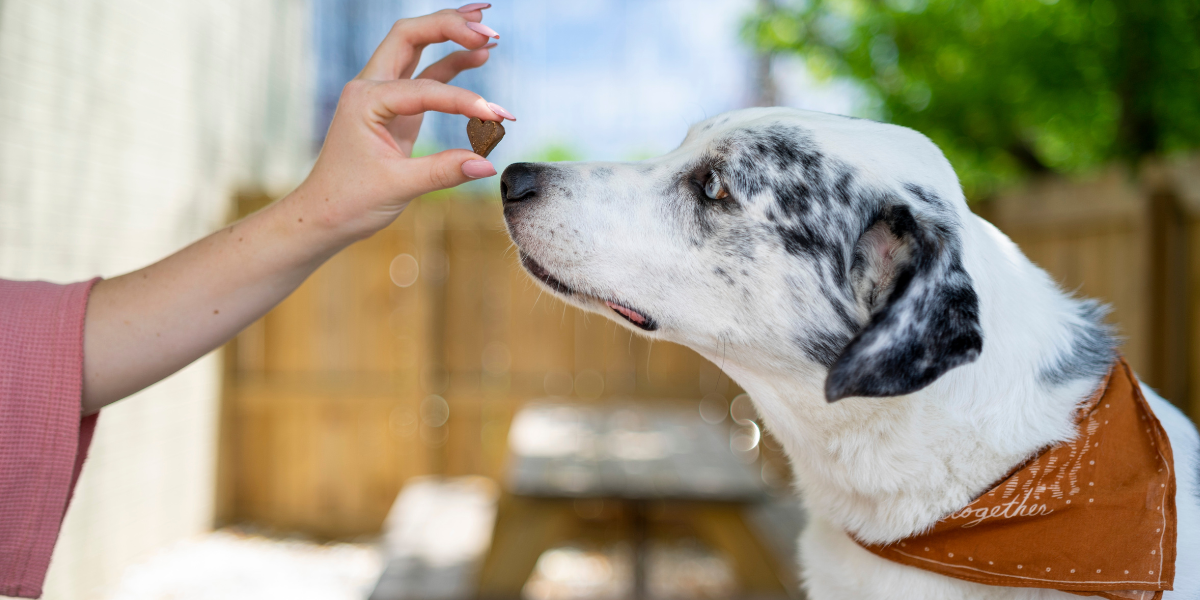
[{"x": 1094, "y": 516}]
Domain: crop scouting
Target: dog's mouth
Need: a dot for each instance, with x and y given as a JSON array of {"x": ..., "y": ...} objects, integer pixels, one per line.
[
  {"x": 634, "y": 316},
  {"x": 544, "y": 276}
]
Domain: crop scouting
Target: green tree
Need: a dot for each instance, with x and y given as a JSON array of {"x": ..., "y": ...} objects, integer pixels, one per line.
[{"x": 1010, "y": 88}]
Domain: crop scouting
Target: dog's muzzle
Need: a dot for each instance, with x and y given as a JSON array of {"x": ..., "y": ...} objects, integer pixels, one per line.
[{"x": 519, "y": 186}]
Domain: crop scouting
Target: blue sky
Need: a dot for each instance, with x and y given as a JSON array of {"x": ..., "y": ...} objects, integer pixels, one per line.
[{"x": 608, "y": 79}]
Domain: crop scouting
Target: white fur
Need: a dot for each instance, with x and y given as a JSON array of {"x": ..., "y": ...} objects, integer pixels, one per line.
[{"x": 880, "y": 468}]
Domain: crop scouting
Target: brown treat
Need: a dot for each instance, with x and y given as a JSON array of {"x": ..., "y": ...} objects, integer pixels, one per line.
[{"x": 484, "y": 135}]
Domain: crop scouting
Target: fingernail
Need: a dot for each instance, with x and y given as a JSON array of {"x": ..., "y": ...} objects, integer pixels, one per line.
[
  {"x": 489, "y": 46},
  {"x": 481, "y": 28},
  {"x": 474, "y": 6},
  {"x": 477, "y": 169},
  {"x": 496, "y": 108}
]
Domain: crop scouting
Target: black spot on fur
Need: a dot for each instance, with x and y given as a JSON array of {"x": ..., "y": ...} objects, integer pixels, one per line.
[
  {"x": 602, "y": 173},
  {"x": 928, "y": 325},
  {"x": 843, "y": 186},
  {"x": 923, "y": 195},
  {"x": 823, "y": 347},
  {"x": 817, "y": 200},
  {"x": 723, "y": 275},
  {"x": 848, "y": 322},
  {"x": 1093, "y": 348},
  {"x": 805, "y": 239},
  {"x": 783, "y": 160}
]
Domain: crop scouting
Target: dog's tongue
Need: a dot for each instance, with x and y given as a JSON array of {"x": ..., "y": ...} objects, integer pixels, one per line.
[{"x": 628, "y": 313}]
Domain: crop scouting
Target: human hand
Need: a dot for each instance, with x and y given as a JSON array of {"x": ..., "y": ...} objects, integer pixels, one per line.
[{"x": 365, "y": 174}]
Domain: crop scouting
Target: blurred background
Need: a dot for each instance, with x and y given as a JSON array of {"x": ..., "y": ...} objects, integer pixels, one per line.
[{"x": 418, "y": 421}]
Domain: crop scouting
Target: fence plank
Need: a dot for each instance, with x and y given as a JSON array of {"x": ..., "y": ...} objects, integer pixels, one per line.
[{"x": 1175, "y": 182}]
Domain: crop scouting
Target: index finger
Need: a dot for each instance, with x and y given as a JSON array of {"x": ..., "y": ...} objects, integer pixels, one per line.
[
  {"x": 404, "y": 97},
  {"x": 399, "y": 52}
]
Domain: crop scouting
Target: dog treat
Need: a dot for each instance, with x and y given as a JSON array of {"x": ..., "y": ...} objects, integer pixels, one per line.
[{"x": 484, "y": 135}]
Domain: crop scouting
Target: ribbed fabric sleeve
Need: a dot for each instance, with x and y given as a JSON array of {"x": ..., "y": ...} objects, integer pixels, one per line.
[{"x": 43, "y": 439}]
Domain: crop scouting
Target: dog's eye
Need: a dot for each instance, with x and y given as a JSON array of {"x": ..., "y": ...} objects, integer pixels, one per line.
[{"x": 713, "y": 188}]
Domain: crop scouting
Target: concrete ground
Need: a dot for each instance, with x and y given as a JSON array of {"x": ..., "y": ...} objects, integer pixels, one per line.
[{"x": 228, "y": 565}]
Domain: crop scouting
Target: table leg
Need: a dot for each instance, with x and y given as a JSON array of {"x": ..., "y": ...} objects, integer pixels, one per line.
[
  {"x": 641, "y": 528},
  {"x": 524, "y": 529}
]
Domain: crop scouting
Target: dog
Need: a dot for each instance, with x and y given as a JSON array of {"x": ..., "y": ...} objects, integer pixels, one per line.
[{"x": 903, "y": 351}]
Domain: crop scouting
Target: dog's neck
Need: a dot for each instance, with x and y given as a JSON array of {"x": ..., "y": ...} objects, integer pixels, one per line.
[{"x": 887, "y": 468}]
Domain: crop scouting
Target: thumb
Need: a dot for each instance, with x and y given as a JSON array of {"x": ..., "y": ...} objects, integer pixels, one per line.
[{"x": 447, "y": 169}]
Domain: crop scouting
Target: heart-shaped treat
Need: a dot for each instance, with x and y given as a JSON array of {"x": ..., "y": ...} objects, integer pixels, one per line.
[{"x": 484, "y": 135}]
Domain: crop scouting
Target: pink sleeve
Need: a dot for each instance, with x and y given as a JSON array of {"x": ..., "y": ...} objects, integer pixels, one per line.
[{"x": 43, "y": 439}]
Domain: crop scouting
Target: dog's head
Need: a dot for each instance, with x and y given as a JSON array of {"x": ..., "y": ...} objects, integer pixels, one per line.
[{"x": 771, "y": 236}]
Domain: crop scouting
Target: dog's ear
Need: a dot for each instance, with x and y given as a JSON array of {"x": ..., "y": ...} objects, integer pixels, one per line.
[{"x": 924, "y": 310}]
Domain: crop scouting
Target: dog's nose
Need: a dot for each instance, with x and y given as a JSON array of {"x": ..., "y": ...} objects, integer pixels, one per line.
[{"x": 519, "y": 182}]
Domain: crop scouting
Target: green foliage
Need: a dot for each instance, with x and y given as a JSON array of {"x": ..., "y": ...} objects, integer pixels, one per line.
[
  {"x": 556, "y": 152},
  {"x": 1009, "y": 88}
]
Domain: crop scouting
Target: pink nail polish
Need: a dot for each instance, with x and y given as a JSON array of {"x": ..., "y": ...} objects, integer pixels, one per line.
[
  {"x": 474, "y": 6},
  {"x": 483, "y": 29},
  {"x": 478, "y": 169},
  {"x": 499, "y": 110},
  {"x": 489, "y": 46}
]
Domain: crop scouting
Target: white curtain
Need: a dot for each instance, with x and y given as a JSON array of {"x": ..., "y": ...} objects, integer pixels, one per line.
[{"x": 126, "y": 127}]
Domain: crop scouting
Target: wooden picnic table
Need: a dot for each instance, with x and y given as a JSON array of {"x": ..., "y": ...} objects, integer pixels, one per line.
[
  {"x": 649, "y": 470},
  {"x": 639, "y": 456}
]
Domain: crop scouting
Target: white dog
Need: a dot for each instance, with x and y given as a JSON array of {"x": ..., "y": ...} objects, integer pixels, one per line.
[{"x": 819, "y": 258}]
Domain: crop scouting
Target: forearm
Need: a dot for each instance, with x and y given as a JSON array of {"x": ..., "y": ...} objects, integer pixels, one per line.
[{"x": 145, "y": 325}]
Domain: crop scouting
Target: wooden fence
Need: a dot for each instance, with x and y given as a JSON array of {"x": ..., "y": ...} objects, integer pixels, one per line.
[{"x": 408, "y": 353}]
